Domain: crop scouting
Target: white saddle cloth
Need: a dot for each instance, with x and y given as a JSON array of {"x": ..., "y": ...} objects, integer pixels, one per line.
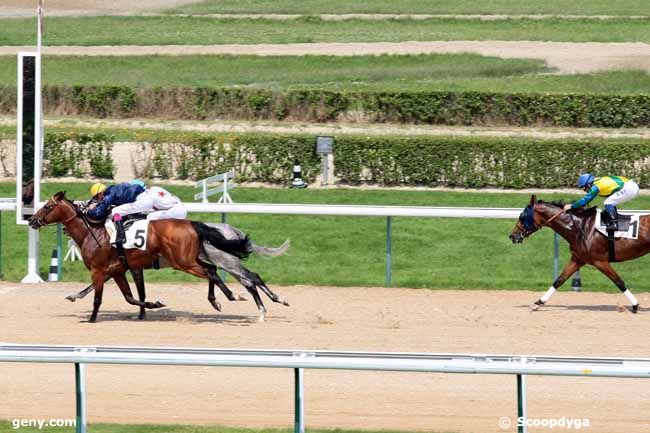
[
  {"x": 631, "y": 233},
  {"x": 136, "y": 234}
]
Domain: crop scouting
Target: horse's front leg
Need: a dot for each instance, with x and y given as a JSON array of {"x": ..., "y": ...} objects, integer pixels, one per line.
[
  {"x": 138, "y": 278},
  {"x": 98, "y": 284},
  {"x": 607, "y": 269},
  {"x": 123, "y": 284},
  {"x": 570, "y": 268}
]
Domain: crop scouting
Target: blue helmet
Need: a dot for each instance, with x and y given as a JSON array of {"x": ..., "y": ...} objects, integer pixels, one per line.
[
  {"x": 585, "y": 179},
  {"x": 138, "y": 182}
]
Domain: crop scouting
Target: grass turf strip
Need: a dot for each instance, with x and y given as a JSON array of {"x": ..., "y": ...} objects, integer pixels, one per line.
[
  {"x": 174, "y": 30},
  {"x": 443, "y": 253},
  {"x": 576, "y": 7},
  {"x": 442, "y": 72}
]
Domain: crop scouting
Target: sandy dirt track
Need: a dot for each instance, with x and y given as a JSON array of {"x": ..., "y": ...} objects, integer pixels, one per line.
[
  {"x": 567, "y": 57},
  {"x": 374, "y": 319},
  {"x": 87, "y": 7}
]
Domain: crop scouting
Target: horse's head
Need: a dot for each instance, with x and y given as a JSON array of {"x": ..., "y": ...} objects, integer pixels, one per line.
[
  {"x": 56, "y": 209},
  {"x": 529, "y": 222}
]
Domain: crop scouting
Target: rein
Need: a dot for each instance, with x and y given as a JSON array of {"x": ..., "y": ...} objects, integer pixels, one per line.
[
  {"x": 85, "y": 220},
  {"x": 83, "y": 217},
  {"x": 551, "y": 219}
]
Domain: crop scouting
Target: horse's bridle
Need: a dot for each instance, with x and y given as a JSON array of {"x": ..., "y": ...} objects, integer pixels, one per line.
[
  {"x": 528, "y": 219},
  {"x": 40, "y": 221}
]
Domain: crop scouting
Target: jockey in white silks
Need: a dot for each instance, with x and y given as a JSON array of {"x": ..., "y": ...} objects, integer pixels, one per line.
[{"x": 161, "y": 203}]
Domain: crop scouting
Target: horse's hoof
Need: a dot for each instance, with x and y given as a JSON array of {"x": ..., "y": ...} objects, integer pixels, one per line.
[
  {"x": 635, "y": 308},
  {"x": 534, "y": 307},
  {"x": 217, "y": 306},
  {"x": 71, "y": 298},
  {"x": 158, "y": 304},
  {"x": 285, "y": 303},
  {"x": 141, "y": 317}
]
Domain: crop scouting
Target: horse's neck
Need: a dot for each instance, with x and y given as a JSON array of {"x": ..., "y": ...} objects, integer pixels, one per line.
[
  {"x": 78, "y": 230},
  {"x": 559, "y": 225}
]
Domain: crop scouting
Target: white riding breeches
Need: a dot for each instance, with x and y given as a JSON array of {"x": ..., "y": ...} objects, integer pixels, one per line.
[
  {"x": 142, "y": 203},
  {"x": 629, "y": 191},
  {"x": 177, "y": 211}
]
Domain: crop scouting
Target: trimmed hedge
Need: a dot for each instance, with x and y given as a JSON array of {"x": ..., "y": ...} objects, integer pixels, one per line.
[
  {"x": 468, "y": 162},
  {"x": 479, "y": 162},
  {"x": 78, "y": 154},
  {"x": 267, "y": 158},
  {"x": 448, "y": 108}
]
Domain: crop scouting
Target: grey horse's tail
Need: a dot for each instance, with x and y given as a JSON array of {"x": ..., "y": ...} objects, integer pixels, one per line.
[
  {"x": 270, "y": 251},
  {"x": 232, "y": 233}
]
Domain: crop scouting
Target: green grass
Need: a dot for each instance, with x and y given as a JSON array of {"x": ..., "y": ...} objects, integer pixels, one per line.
[
  {"x": 576, "y": 7},
  {"x": 446, "y": 72},
  {"x": 350, "y": 251},
  {"x": 163, "y": 30},
  {"x": 6, "y": 426},
  {"x": 381, "y": 72}
]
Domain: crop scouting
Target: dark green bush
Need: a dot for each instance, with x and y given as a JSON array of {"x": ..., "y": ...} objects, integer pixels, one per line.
[
  {"x": 445, "y": 108},
  {"x": 468, "y": 162},
  {"x": 68, "y": 154}
]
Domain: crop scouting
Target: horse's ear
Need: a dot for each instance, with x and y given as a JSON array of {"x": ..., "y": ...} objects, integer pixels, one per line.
[
  {"x": 533, "y": 199},
  {"x": 59, "y": 195}
]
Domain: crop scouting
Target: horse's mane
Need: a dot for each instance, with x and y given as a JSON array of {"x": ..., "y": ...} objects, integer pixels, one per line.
[{"x": 579, "y": 212}]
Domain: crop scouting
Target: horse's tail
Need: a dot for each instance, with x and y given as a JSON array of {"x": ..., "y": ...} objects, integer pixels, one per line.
[
  {"x": 241, "y": 248},
  {"x": 270, "y": 251}
]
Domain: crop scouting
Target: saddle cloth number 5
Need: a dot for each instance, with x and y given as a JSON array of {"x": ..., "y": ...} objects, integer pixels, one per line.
[{"x": 136, "y": 234}]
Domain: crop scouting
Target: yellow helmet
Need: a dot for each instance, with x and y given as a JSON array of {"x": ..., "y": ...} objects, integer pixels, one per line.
[{"x": 97, "y": 188}]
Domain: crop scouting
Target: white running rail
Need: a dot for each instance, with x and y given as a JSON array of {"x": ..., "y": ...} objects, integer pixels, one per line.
[{"x": 298, "y": 360}]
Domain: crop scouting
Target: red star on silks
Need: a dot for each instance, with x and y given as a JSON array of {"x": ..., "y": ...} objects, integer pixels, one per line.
[{"x": 160, "y": 193}]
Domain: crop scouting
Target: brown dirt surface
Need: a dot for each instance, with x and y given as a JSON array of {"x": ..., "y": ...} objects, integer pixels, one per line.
[{"x": 335, "y": 318}]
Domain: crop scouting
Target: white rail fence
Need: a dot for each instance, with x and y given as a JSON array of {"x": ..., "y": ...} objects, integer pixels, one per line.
[
  {"x": 358, "y": 210},
  {"x": 298, "y": 360}
]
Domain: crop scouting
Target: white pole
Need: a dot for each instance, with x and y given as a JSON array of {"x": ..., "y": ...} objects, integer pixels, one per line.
[
  {"x": 205, "y": 191},
  {"x": 32, "y": 276},
  {"x": 39, "y": 30}
]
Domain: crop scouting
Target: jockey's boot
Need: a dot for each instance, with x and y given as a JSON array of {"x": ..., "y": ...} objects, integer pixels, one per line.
[
  {"x": 612, "y": 217},
  {"x": 120, "y": 237}
]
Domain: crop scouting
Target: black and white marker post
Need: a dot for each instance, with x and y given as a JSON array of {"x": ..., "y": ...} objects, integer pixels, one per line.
[{"x": 297, "y": 181}]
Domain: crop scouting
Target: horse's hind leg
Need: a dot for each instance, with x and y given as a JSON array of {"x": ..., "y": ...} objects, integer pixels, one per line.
[
  {"x": 138, "y": 278},
  {"x": 256, "y": 296},
  {"x": 568, "y": 270},
  {"x": 262, "y": 285},
  {"x": 84, "y": 292},
  {"x": 607, "y": 269},
  {"x": 213, "y": 276},
  {"x": 211, "y": 297}
]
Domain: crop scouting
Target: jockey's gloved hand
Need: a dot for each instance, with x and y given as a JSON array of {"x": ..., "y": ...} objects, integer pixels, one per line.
[{"x": 117, "y": 217}]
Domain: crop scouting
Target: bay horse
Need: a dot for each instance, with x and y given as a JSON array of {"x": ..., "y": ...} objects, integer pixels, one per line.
[
  {"x": 216, "y": 258},
  {"x": 587, "y": 245},
  {"x": 182, "y": 243}
]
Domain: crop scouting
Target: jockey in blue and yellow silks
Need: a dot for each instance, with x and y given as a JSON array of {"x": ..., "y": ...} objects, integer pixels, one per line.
[{"x": 617, "y": 189}]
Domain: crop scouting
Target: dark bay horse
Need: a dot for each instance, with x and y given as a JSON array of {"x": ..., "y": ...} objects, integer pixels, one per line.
[
  {"x": 181, "y": 243},
  {"x": 587, "y": 245}
]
